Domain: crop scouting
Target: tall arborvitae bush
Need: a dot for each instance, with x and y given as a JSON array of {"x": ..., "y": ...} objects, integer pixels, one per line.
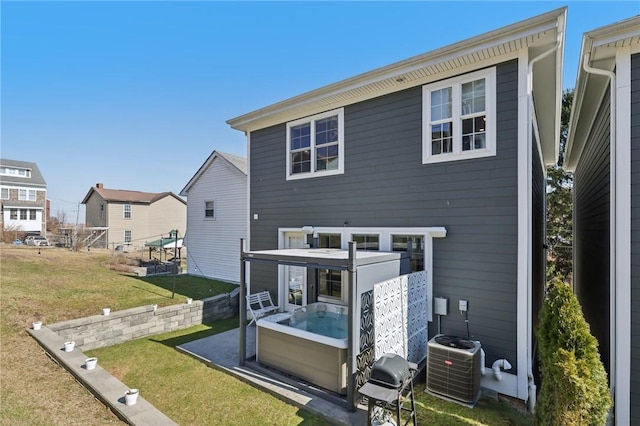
[{"x": 574, "y": 382}]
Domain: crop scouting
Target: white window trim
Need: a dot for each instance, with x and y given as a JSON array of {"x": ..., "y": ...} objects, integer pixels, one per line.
[
  {"x": 455, "y": 83},
  {"x": 124, "y": 236},
  {"x": 205, "y": 210},
  {"x": 312, "y": 119},
  {"x": 8, "y": 192}
]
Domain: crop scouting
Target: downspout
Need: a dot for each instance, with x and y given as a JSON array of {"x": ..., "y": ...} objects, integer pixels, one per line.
[
  {"x": 613, "y": 224},
  {"x": 531, "y": 400}
]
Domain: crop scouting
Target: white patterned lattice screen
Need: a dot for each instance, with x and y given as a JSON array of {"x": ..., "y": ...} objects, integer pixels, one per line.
[{"x": 400, "y": 317}]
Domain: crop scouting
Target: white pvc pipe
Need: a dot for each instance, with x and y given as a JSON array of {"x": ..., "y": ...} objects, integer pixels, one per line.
[
  {"x": 482, "y": 357},
  {"x": 497, "y": 365},
  {"x": 531, "y": 403}
]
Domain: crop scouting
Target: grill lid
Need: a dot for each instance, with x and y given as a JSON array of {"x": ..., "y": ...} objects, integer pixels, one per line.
[{"x": 391, "y": 371}]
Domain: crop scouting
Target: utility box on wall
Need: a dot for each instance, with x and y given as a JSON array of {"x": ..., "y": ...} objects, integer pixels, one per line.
[{"x": 440, "y": 306}]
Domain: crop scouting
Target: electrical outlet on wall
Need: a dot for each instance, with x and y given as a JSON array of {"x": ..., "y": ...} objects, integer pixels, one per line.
[{"x": 463, "y": 305}]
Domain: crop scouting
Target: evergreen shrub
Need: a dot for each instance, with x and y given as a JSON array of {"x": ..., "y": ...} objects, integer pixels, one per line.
[{"x": 574, "y": 387}]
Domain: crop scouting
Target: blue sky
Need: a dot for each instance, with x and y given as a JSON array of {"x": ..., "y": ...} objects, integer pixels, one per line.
[{"x": 135, "y": 95}]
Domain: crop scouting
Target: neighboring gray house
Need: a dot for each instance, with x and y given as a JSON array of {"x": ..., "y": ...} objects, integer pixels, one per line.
[
  {"x": 23, "y": 197},
  {"x": 216, "y": 217},
  {"x": 446, "y": 152},
  {"x": 603, "y": 152}
]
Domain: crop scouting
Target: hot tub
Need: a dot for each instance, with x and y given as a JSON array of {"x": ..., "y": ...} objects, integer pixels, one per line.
[{"x": 310, "y": 344}]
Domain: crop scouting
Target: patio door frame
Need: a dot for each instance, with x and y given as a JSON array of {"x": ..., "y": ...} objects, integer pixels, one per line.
[{"x": 284, "y": 271}]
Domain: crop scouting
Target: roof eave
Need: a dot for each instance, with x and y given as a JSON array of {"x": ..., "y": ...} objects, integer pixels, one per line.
[
  {"x": 393, "y": 77},
  {"x": 548, "y": 113},
  {"x": 596, "y": 46}
]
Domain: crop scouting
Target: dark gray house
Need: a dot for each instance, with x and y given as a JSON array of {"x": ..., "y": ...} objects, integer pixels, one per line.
[
  {"x": 444, "y": 152},
  {"x": 603, "y": 152}
]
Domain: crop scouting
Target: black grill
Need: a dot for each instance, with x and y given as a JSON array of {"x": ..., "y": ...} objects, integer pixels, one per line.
[{"x": 391, "y": 371}]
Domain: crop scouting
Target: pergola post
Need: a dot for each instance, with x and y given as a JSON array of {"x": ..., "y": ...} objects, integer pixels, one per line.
[
  {"x": 242, "y": 308},
  {"x": 353, "y": 294}
]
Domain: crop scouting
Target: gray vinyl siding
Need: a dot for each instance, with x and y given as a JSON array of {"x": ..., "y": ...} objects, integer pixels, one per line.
[
  {"x": 385, "y": 185},
  {"x": 635, "y": 239},
  {"x": 591, "y": 228},
  {"x": 538, "y": 219}
]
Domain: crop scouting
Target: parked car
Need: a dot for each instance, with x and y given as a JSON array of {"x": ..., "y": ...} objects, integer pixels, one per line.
[
  {"x": 36, "y": 240},
  {"x": 17, "y": 242}
]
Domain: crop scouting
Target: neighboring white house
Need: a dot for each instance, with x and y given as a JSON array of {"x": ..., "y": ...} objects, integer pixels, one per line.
[
  {"x": 216, "y": 217},
  {"x": 23, "y": 197}
]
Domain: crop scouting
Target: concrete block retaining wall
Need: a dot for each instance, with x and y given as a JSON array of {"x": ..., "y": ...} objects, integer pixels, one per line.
[{"x": 120, "y": 326}]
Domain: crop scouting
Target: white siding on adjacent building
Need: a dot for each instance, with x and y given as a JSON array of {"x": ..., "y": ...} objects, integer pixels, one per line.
[{"x": 213, "y": 244}]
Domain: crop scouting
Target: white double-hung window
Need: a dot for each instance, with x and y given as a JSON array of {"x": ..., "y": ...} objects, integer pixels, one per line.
[
  {"x": 126, "y": 211},
  {"x": 315, "y": 145},
  {"x": 458, "y": 117}
]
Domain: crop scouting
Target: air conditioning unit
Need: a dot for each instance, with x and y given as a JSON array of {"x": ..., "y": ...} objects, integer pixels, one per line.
[{"x": 453, "y": 368}]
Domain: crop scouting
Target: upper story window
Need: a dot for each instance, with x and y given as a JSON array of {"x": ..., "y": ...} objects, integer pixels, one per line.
[
  {"x": 4, "y": 193},
  {"x": 459, "y": 116},
  {"x": 101, "y": 211},
  {"x": 127, "y": 211},
  {"x": 315, "y": 145},
  {"x": 27, "y": 194},
  {"x": 209, "y": 210},
  {"x": 14, "y": 171}
]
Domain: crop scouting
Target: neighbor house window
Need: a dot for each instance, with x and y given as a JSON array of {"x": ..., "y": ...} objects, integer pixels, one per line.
[
  {"x": 13, "y": 214},
  {"x": 366, "y": 241},
  {"x": 31, "y": 195},
  {"x": 315, "y": 145},
  {"x": 15, "y": 172},
  {"x": 209, "y": 210},
  {"x": 101, "y": 211},
  {"x": 127, "y": 211},
  {"x": 22, "y": 194},
  {"x": 23, "y": 214},
  {"x": 32, "y": 214},
  {"x": 4, "y": 193},
  {"x": 459, "y": 117},
  {"x": 127, "y": 236}
]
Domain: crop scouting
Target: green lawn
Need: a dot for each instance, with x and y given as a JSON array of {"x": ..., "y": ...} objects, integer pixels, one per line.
[
  {"x": 190, "y": 392},
  {"x": 57, "y": 285}
]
